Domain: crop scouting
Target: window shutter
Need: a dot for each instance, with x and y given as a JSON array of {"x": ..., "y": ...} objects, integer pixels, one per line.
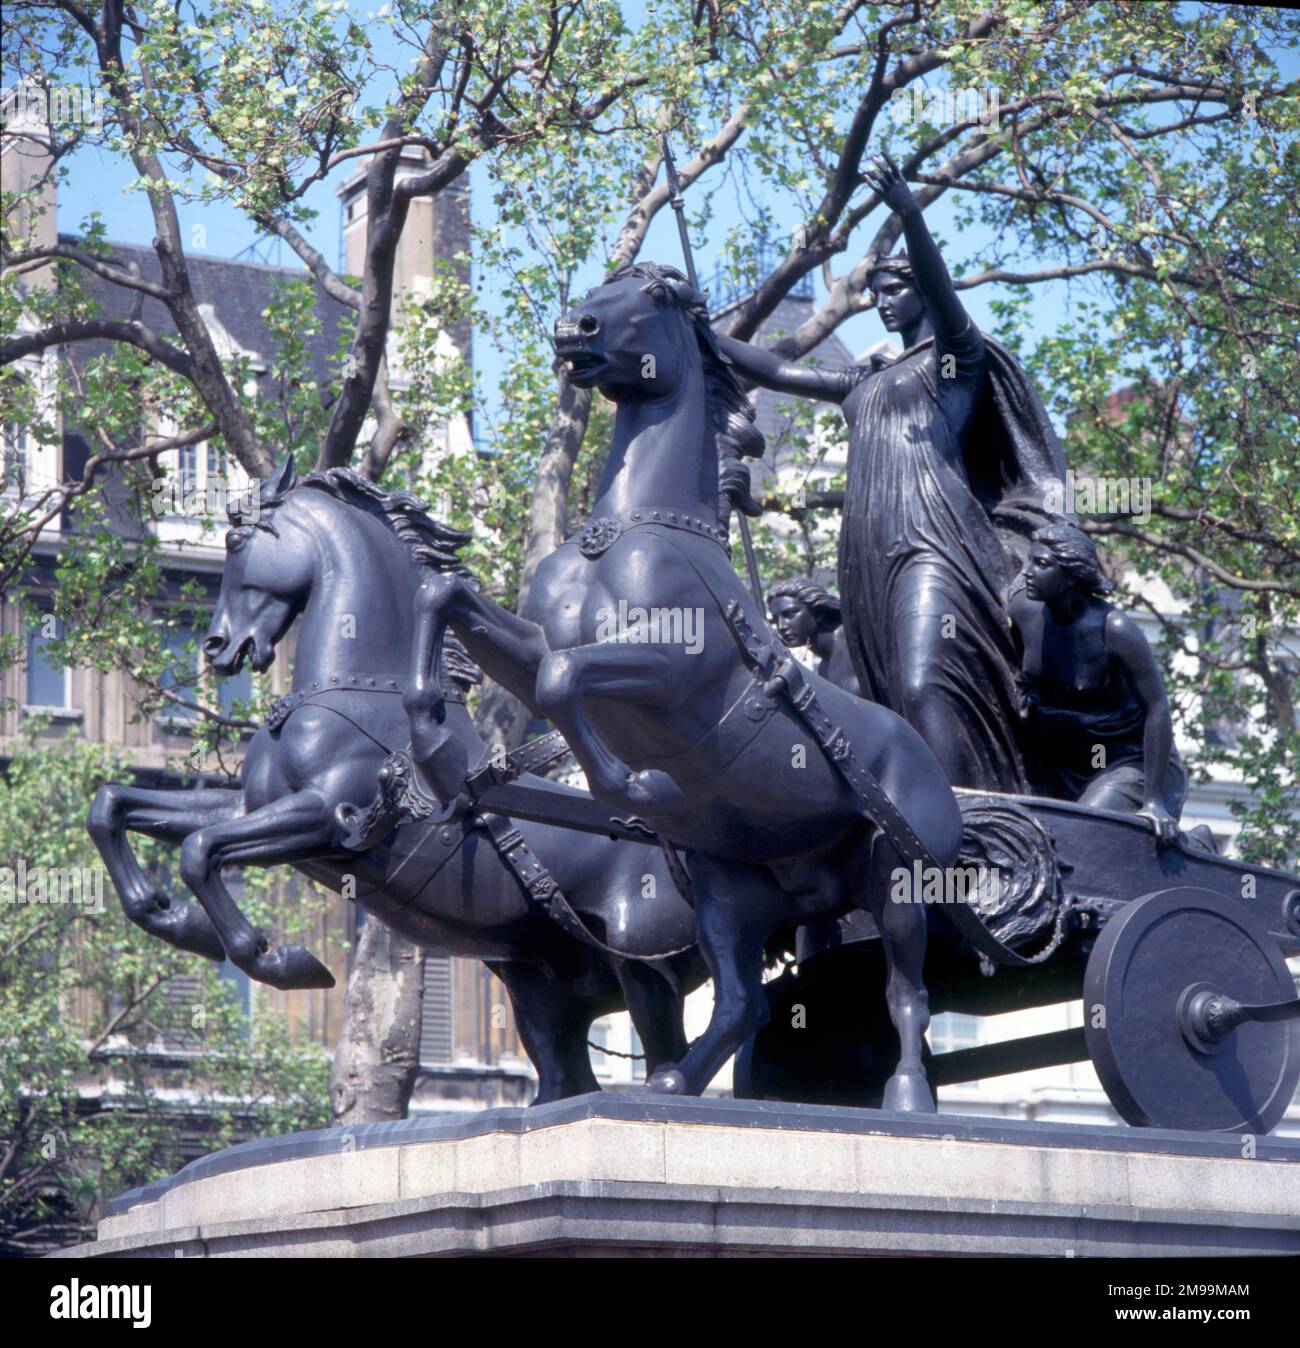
[{"x": 435, "y": 1013}]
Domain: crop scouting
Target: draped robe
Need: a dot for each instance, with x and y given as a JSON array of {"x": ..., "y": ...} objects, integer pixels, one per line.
[{"x": 950, "y": 454}]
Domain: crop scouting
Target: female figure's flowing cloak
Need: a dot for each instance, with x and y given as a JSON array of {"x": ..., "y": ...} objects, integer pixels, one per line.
[{"x": 950, "y": 459}]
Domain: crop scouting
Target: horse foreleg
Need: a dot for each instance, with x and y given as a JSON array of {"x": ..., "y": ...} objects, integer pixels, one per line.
[
  {"x": 508, "y": 648},
  {"x": 168, "y": 816},
  {"x": 640, "y": 674},
  {"x": 293, "y": 828}
]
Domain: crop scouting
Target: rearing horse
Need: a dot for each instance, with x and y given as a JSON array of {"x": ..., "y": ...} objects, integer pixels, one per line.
[
  {"x": 346, "y": 558},
  {"x": 626, "y": 645}
]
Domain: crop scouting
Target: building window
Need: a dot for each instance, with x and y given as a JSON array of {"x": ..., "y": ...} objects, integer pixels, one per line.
[
  {"x": 187, "y": 676},
  {"x": 47, "y": 681},
  {"x": 951, "y": 1031},
  {"x": 232, "y": 689},
  {"x": 201, "y": 472},
  {"x": 181, "y": 676}
]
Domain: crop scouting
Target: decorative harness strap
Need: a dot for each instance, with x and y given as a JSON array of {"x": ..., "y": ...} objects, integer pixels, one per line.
[
  {"x": 284, "y": 707},
  {"x": 541, "y": 886},
  {"x": 402, "y": 798},
  {"x": 597, "y": 536},
  {"x": 535, "y": 756}
]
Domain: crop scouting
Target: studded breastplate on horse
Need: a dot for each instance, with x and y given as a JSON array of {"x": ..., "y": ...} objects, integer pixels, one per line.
[{"x": 597, "y": 536}]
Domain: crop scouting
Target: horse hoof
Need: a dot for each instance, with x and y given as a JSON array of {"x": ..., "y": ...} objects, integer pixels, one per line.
[
  {"x": 653, "y": 790},
  {"x": 288, "y": 967},
  {"x": 184, "y": 925},
  {"x": 671, "y": 1082},
  {"x": 909, "y": 1093}
]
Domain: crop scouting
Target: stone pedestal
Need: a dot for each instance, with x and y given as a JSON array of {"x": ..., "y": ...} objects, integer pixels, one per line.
[{"x": 630, "y": 1173}]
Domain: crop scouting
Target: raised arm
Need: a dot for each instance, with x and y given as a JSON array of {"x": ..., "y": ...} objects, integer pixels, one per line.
[
  {"x": 786, "y": 376},
  {"x": 932, "y": 279}
]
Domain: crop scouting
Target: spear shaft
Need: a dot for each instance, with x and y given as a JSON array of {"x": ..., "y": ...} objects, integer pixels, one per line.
[{"x": 679, "y": 210}]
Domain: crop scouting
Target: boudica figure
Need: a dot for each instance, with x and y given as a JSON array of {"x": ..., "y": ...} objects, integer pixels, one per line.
[
  {"x": 951, "y": 456},
  {"x": 1092, "y": 693},
  {"x": 807, "y": 614}
]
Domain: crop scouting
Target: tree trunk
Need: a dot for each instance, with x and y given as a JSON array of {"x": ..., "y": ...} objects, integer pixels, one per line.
[{"x": 378, "y": 1052}]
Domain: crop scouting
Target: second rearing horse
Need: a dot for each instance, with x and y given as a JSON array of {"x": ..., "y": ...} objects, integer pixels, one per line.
[{"x": 629, "y": 644}]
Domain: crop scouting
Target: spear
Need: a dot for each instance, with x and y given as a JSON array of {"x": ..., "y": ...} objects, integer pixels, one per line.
[{"x": 679, "y": 209}]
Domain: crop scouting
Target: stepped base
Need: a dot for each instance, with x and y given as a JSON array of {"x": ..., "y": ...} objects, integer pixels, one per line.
[{"x": 628, "y": 1173}]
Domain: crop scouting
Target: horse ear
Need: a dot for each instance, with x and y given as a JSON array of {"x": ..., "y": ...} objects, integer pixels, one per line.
[{"x": 283, "y": 478}]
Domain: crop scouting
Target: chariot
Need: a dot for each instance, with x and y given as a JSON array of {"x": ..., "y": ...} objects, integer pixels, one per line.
[{"x": 1176, "y": 956}]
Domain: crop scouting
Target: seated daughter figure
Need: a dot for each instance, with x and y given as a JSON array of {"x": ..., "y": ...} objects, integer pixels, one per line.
[
  {"x": 807, "y": 614},
  {"x": 1099, "y": 729}
]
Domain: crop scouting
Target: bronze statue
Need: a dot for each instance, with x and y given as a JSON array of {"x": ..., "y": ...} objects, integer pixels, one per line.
[
  {"x": 1092, "y": 694},
  {"x": 951, "y": 457},
  {"x": 807, "y": 614},
  {"x": 793, "y": 803}
]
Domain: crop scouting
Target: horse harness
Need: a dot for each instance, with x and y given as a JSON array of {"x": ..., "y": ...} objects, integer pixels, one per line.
[
  {"x": 402, "y": 798},
  {"x": 784, "y": 677}
]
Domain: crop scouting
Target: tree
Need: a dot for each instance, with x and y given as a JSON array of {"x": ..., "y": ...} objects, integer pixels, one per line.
[{"x": 101, "y": 1024}]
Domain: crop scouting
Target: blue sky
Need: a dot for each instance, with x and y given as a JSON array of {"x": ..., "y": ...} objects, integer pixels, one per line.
[{"x": 99, "y": 182}]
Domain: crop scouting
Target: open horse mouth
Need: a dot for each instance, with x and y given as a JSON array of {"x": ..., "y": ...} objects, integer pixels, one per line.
[
  {"x": 584, "y": 364},
  {"x": 246, "y": 650}
]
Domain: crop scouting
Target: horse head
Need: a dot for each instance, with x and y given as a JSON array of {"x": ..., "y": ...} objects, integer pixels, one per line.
[
  {"x": 367, "y": 547},
  {"x": 630, "y": 335},
  {"x": 644, "y": 339},
  {"x": 265, "y": 581}
]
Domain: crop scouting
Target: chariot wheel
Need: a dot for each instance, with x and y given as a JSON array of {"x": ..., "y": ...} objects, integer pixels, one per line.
[{"x": 1191, "y": 1016}]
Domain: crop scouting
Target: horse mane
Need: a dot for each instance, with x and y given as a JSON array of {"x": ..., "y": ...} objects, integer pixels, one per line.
[
  {"x": 730, "y": 408},
  {"x": 430, "y": 543}
]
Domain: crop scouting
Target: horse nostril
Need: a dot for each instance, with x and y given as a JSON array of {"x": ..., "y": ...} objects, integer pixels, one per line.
[
  {"x": 589, "y": 325},
  {"x": 213, "y": 646}
]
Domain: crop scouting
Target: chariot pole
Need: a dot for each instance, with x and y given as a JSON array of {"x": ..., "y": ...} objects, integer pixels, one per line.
[{"x": 679, "y": 209}]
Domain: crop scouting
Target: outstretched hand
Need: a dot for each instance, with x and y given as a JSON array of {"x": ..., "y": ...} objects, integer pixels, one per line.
[{"x": 885, "y": 179}]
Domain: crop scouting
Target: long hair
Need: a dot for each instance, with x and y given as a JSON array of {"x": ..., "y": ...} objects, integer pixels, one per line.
[
  {"x": 817, "y": 599},
  {"x": 1076, "y": 554}
]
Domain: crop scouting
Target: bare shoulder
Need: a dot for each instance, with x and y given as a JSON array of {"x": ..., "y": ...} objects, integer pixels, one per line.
[{"x": 1124, "y": 636}]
